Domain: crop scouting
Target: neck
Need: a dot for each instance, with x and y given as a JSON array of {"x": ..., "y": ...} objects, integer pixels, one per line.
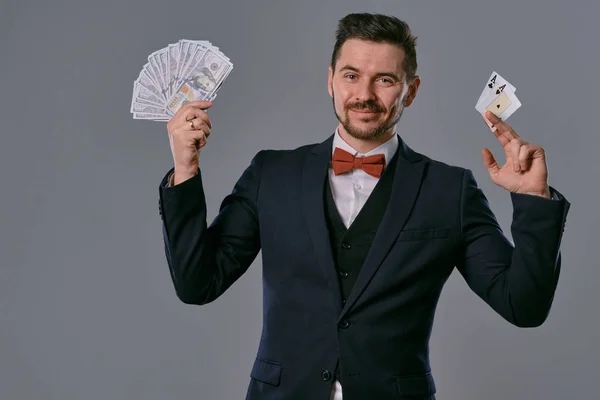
[{"x": 365, "y": 145}]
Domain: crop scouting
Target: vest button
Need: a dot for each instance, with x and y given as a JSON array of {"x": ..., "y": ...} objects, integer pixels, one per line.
[
  {"x": 344, "y": 324},
  {"x": 346, "y": 245},
  {"x": 326, "y": 375},
  {"x": 344, "y": 274}
]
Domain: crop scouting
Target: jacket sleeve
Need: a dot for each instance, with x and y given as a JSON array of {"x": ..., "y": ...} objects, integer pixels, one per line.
[
  {"x": 204, "y": 261},
  {"x": 518, "y": 281}
]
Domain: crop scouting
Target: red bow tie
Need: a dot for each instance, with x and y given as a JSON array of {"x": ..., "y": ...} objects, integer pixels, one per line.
[{"x": 343, "y": 162}]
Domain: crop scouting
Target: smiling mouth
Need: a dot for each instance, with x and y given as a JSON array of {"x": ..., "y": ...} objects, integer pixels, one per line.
[{"x": 365, "y": 111}]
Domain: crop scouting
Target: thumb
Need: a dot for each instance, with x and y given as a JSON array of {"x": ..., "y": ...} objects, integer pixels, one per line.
[{"x": 490, "y": 161}]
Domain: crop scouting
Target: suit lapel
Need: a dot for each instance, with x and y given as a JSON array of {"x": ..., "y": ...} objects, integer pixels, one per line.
[
  {"x": 407, "y": 181},
  {"x": 314, "y": 174}
]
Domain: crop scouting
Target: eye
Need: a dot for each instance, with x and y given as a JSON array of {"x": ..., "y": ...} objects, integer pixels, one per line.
[
  {"x": 386, "y": 81},
  {"x": 350, "y": 76}
]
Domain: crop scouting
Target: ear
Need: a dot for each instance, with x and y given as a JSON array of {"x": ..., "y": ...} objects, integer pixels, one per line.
[
  {"x": 330, "y": 82},
  {"x": 413, "y": 88}
]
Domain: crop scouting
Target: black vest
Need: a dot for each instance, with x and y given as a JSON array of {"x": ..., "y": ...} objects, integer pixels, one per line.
[{"x": 350, "y": 246}]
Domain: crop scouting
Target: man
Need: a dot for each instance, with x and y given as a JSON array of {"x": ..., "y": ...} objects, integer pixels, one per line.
[{"x": 359, "y": 233}]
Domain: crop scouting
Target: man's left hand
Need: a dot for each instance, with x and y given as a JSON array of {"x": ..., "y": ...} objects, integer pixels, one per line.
[{"x": 525, "y": 170}]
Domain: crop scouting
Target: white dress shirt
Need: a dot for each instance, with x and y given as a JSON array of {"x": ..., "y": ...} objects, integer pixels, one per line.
[
  {"x": 350, "y": 193},
  {"x": 351, "y": 190}
]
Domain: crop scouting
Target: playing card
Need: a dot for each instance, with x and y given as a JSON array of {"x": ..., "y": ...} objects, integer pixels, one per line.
[
  {"x": 503, "y": 105},
  {"x": 181, "y": 72},
  {"x": 495, "y": 82}
]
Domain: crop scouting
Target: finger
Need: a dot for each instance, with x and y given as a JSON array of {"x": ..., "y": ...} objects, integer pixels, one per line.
[
  {"x": 502, "y": 129},
  {"x": 190, "y": 110},
  {"x": 527, "y": 153},
  {"x": 195, "y": 113},
  {"x": 501, "y": 138},
  {"x": 488, "y": 123},
  {"x": 203, "y": 129},
  {"x": 197, "y": 124},
  {"x": 515, "y": 150},
  {"x": 198, "y": 134},
  {"x": 490, "y": 162},
  {"x": 201, "y": 104}
]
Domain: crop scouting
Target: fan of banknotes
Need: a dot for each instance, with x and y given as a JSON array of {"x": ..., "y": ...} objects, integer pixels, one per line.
[{"x": 182, "y": 72}]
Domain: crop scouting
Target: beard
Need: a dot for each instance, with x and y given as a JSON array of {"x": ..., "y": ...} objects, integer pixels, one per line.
[{"x": 375, "y": 132}]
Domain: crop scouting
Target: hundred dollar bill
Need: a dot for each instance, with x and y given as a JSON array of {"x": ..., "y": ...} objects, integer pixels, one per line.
[
  {"x": 146, "y": 82},
  {"x": 203, "y": 80},
  {"x": 147, "y": 109},
  {"x": 155, "y": 117},
  {"x": 143, "y": 94},
  {"x": 154, "y": 72},
  {"x": 173, "y": 54},
  {"x": 187, "y": 53},
  {"x": 197, "y": 50},
  {"x": 147, "y": 70},
  {"x": 161, "y": 56},
  {"x": 180, "y": 56}
]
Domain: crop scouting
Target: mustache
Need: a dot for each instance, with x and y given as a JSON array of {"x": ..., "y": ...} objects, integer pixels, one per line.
[{"x": 366, "y": 105}]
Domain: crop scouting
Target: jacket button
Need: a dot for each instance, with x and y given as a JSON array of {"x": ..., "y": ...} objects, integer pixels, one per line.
[
  {"x": 326, "y": 375},
  {"x": 344, "y": 274},
  {"x": 344, "y": 324},
  {"x": 346, "y": 245}
]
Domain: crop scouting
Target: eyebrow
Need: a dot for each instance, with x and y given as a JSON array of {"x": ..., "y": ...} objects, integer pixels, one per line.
[{"x": 377, "y": 75}]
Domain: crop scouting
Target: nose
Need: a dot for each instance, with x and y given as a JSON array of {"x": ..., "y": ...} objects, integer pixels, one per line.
[{"x": 364, "y": 91}]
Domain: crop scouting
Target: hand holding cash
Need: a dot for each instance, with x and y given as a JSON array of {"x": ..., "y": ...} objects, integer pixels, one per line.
[
  {"x": 182, "y": 72},
  {"x": 188, "y": 131}
]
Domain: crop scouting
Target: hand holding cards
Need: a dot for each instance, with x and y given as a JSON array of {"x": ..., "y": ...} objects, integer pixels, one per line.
[
  {"x": 499, "y": 97},
  {"x": 182, "y": 72}
]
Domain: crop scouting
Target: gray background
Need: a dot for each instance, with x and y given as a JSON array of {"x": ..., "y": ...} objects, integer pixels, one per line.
[{"x": 87, "y": 308}]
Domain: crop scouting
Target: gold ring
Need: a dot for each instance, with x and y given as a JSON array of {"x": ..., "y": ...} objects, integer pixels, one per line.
[{"x": 191, "y": 121}]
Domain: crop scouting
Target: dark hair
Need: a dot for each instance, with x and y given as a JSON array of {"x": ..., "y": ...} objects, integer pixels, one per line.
[{"x": 377, "y": 28}]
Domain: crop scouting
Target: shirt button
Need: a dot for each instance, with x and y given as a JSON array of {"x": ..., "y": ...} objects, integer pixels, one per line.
[
  {"x": 357, "y": 186},
  {"x": 326, "y": 375},
  {"x": 344, "y": 324},
  {"x": 345, "y": 245}
]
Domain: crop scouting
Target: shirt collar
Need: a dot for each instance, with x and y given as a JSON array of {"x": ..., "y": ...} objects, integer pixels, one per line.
[{"x": 388, "y": 148}]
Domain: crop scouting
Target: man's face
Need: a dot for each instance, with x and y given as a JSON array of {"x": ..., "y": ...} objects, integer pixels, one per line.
[{"x": 369, "y": 88}]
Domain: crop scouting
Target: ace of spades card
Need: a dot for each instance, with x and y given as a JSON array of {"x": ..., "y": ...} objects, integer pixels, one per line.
[
  {"x": 498, "y": 97},
  {"x": 496, "y": 81}
]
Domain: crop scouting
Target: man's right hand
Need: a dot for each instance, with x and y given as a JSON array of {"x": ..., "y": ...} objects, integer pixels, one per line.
[{"x": 188, "y": 130}]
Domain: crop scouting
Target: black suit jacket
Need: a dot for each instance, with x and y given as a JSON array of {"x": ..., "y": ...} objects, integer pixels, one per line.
[{"x": 437, "y": 219}]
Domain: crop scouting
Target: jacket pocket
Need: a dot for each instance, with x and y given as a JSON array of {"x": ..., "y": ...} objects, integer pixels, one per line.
[
  {"x": 266, "y": 371},
  {"x": 422, "y": 234},
  {"x": 415, "y": 385}
]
